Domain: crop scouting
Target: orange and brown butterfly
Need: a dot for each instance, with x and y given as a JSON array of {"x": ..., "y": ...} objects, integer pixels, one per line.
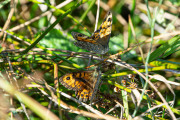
[
  {"x": 83, "y": 83},
  {"x": 99, "y": 41}
]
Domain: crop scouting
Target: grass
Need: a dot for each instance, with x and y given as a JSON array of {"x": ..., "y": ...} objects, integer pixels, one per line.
[{"x": 140, "y": 73}]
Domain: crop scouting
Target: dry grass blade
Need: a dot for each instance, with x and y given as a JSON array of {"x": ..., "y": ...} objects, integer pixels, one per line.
[
  {"x": 13, "y": 4},
  {"x": 75, "y": 110},
  {"x": 31, "y": 103},
  {"x": 38, "y": 17}
]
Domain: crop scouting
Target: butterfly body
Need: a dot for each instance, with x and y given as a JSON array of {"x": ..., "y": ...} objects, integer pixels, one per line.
[
  {"x": 82, "y": 83},
  {"x": 99, "y": 40}
]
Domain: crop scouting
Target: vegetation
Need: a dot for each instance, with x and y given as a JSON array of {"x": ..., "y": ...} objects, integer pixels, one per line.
[{"x": 140, "y": 75}]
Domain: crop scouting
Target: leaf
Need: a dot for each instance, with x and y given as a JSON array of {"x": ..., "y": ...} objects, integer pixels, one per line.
[
  {"x": 172, "y": 49},
  {"x": 116, "y": 44},
  {"x": 42, "y": 22},
  {"x": 166, "y": 49},
  {"x": 56, "y": 39}
]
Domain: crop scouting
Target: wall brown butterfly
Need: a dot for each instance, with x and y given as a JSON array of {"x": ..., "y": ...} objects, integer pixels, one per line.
[
  {"x": 99, "y": 41},
  {"x": 83, "y": 83}
]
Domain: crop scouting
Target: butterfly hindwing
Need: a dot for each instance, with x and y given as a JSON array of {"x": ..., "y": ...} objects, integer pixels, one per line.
[
  {"x": 84, "y": 95},
  {"x": 82, "y": 37}
]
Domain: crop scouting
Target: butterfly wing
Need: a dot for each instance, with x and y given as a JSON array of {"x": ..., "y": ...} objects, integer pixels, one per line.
[
  {"x": 72, "y": 83},
  {"x": 90, "y": 80},
  {"x": 81, "y": 37},
  {"x": 81, "y": 82},
  {"x": 106, "y": 26},
  {"x": 85, "y": 42},
  {"x": 84, "y": 95}
]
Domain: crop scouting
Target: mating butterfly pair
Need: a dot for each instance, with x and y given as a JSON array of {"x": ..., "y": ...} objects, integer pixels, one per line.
[{"x": 83, "y": 83}]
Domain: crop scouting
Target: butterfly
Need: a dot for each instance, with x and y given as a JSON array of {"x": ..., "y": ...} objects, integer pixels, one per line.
[
  {"x": 83, "y": 83},
  {"x": 99, "y": 41}
]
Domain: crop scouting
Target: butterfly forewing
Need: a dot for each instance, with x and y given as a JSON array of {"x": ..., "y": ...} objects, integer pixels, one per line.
[
  {"x": 106, "y": 26},
  {"x": 72, "y": 83}
]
